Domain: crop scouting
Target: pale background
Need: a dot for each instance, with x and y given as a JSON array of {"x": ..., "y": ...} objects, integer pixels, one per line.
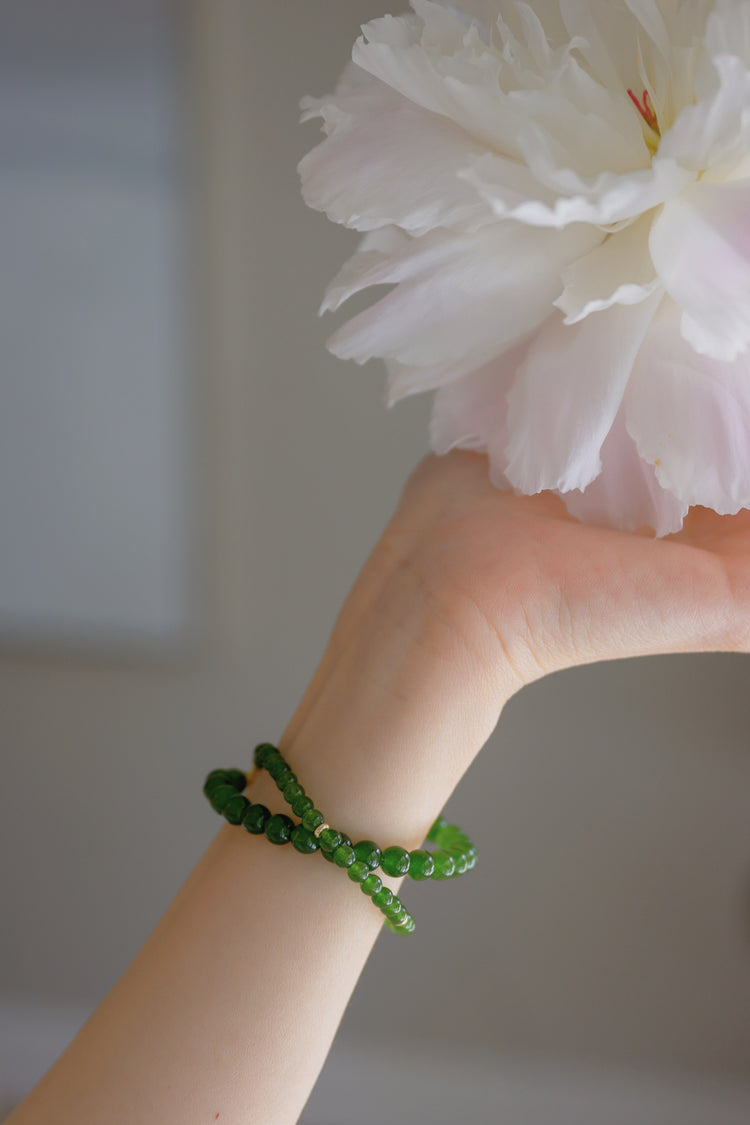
[{"x": 608, "y": 920}]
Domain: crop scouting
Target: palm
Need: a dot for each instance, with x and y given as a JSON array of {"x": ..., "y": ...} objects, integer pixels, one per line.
[{"x": 557, "y": 593}]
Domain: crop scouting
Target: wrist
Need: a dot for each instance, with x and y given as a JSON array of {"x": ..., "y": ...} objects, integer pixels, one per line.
[{"x": 394, "y": 716}]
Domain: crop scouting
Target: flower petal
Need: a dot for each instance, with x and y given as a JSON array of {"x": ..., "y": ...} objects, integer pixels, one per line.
[
  {"x": 714, "y": 133},
  {"x": 603, "y": 200},
  {"x": 619, "y": 271},
  {"x": 445, "y": 70},
  {"x": 690, "y": 417},
  {"x": 567, "y": 394},
  {"x": 471, "y": 413},
  {"x": 489, "y": 290},
  {"x": 700, "y": 246},
  {"x": 626, "y": 494},
  {"x": 386, "y": 161}
]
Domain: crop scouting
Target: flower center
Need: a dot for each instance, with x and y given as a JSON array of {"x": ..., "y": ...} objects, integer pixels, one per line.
[{"x": 647, "y": 113}]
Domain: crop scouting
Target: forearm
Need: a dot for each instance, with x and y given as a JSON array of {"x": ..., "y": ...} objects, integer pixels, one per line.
[{"x": 231, "y": 1006}]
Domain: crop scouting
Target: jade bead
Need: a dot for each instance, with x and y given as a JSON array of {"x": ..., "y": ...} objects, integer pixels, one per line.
[
  {"x": 462, "y": 865},
  {"x": 421, "y": 865},
  {"x": 235, "y": 808},
  {"x": 367, "y": 851},
  {"x": 276, "y": 766},
  {"x": 255, "y": 819},
  {"x": 221, "y": 795},
  {"x": 279, "y": 829},
  {"x": 236, "y": 778},
  {"x": 212, "y": 784},
  {"x": 383, "y": 898},
  {"x": 304, "y": 841},
  {"x": 216, "y": 777},
  {"x": 394, "y": 910},
  {"x": 312, "y": 819},
  {"x": 371, "y": 886},
  {"x": 358, "y": 872},
  {"x": 395, "y": 861},
  {"x": 445, "y": 866},
  {"x": 292, "y": 791},
  {"x": 261, "y": 754},
  {"x": 300, "y": 805},
  {"x": 329, "y": 839},
  {"x": 343, "y": 856},
  {"x": 345, "y": 842},
  {"x": 283, "y": 778}
]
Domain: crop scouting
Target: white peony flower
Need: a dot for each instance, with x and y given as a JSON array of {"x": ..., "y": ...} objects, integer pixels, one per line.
[{"x": 559, "y": 197}]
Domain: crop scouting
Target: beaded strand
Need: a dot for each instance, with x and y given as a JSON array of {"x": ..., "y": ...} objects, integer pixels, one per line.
[{"x": 454, "y": 855}]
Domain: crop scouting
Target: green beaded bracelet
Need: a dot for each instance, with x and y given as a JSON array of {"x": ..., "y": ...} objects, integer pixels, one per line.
[{"x": 454, "y": 855}]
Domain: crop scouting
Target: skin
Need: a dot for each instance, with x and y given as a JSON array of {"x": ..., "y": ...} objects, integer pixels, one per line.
[{"x": 228, "y": 1011}]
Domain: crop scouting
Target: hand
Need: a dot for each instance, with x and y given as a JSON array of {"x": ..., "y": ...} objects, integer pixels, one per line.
[{"x": 520, "y": 573}]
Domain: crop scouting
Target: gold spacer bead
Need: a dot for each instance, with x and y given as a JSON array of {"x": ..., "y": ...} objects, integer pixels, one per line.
[{"x": 319, "y": 829}]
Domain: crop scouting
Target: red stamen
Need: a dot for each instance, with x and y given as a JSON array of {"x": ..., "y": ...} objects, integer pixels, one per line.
[{"x": 645, "y": 110}]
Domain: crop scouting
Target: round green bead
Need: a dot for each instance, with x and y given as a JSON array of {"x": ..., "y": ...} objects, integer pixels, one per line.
[
  {"x": 276, "y": 765},
  {"x": 261, "y": 753},
  {"x": 255, "y": 819},
  {"x": 211, "y": 786},
  {"x": 304, "y": 841},
  {"x": 216, "y": 777},
  {"x": 358, "y": 872},
  {"x": 269, "y": 757},
  {"x": 328, "y": 855},
  {"x": 383, "y": 898},
  {"x": 395, "y": 910},
  {"x": 445, "y": 866},
  {"x": 279, "y": 829},
  {"x": 300, "y": 805},
  {"x": 462, "y": 864},
  {"x": 421, "y": 865},
  {"x": 236, "y": 778},
  {"x": 235, "y": 808},
  {"x": 372, "y": 885},
  {"x": 329, "y": 839},
  {"x": 312, "y": 819},
  {"x": 367, "y": 851},
  {"x": 395, "y": 861},
  {"x": 221, "y": 795},
  {"x": 292, "y": 791},
  {"x": 283, "y": 778},
  {"x": 343, "y": 856}
]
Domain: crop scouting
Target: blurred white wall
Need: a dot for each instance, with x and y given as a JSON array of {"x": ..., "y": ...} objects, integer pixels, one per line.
[
  {"x": 95, "y": 390},
  {"x": 608, "y": 917}
]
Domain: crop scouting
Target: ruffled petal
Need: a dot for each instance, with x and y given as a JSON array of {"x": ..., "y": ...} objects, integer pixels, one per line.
[
  {"x": 566, "y": 396},
  {"x": 619, "y": 271},
  {"x": 471, "y": 412},
  {"x": 602, "y": 200},
  {"x": 690, "y": 417},
  {"x": 626, "y": 494},
  {"x": 700, "y": 246},
  {"x": 386, "y": 161},
  {"x": 489, "y": 290},
  {"x": 443, "y": 67},
  {"x": 714, "y": 133}
]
